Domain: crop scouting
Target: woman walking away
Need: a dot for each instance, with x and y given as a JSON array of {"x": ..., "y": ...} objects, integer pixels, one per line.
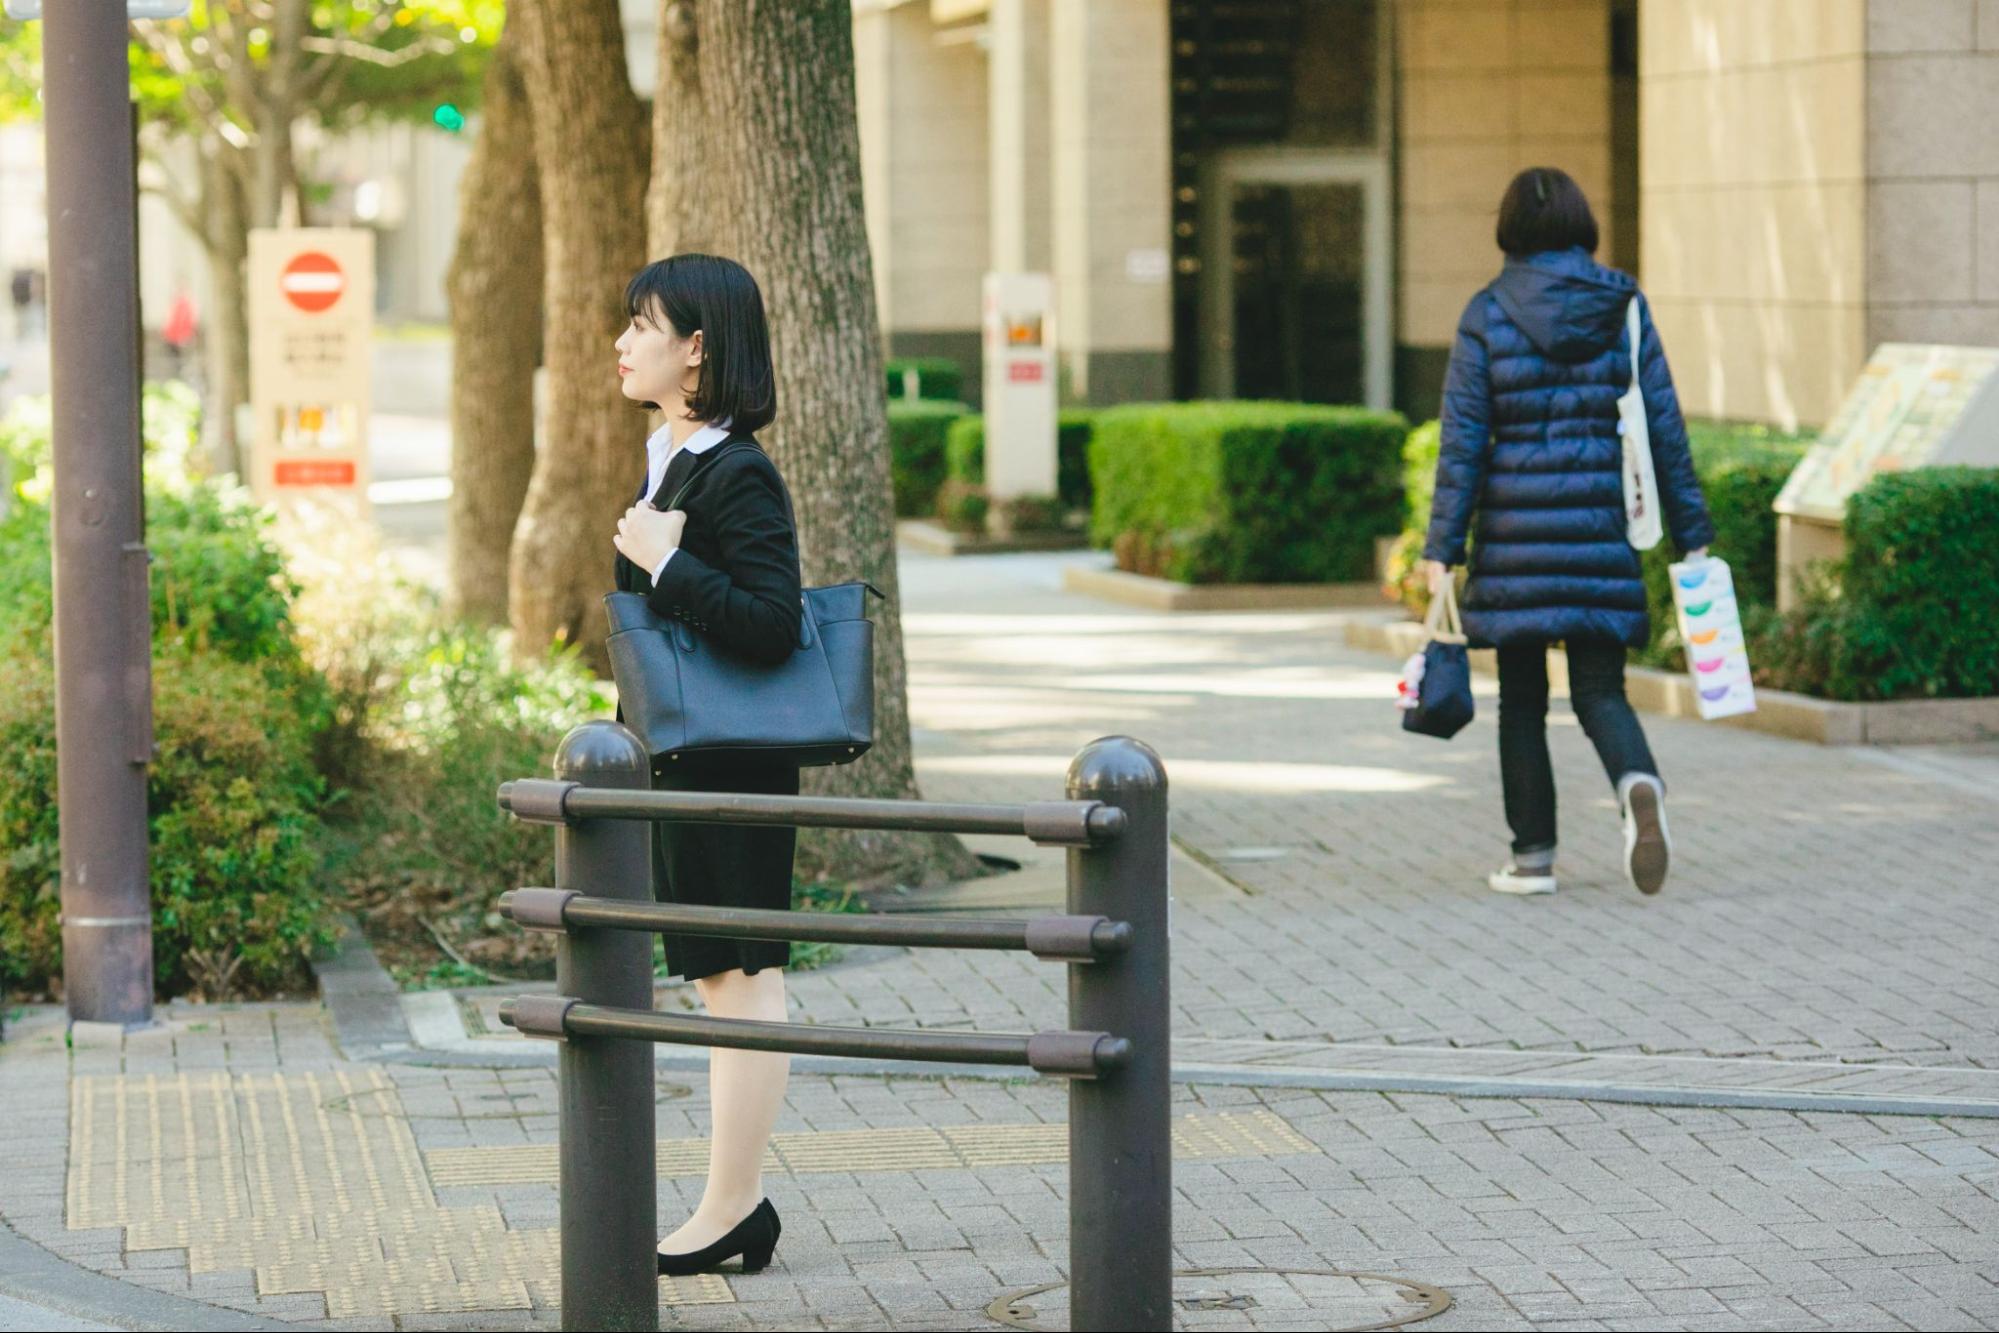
[
  {"x": 1531, "y": 445},
  {"x": 710, "y": 544}
]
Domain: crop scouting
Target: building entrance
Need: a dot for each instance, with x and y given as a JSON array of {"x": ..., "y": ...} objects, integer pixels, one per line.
[
  {"x": 1294, "y": 296},
  {"x": 1283, "y": 244}
]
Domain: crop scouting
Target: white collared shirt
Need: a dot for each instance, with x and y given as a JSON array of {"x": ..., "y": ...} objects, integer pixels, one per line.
[{"x": 660, "y": 451}]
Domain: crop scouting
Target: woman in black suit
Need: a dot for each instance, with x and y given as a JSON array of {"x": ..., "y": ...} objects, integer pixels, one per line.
[{"x": 711, "y": 544}]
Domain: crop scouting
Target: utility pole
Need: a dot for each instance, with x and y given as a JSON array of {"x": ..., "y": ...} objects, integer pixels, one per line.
[{"x": 103, "y": 638}]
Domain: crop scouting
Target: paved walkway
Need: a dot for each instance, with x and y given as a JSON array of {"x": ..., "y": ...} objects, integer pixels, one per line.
[{"x": 1594, "y": 1110}]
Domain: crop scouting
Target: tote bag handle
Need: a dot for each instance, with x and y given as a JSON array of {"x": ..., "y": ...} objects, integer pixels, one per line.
[{"x": 1442, "y": 619}]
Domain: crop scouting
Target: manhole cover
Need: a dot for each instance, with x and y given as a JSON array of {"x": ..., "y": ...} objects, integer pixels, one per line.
[{"x": 1294, "y": 1298}]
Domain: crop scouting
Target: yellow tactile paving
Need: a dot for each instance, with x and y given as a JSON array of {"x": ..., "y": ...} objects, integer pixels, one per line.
[
  {"x": 1229, "y": 1134},
  {"x": 314, "y": 1181},
  {"x": 283, "y": 1174}
]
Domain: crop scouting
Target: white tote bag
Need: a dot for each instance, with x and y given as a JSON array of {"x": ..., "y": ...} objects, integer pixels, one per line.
[{"x": 1641, "y": 489}]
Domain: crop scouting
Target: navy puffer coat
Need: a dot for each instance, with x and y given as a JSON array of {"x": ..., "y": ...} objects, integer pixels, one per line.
[{"x": 1530, "y": 443}]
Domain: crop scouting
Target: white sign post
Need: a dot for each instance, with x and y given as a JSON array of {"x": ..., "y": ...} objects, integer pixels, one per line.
[
  {"x": 312, "y": 319},
  {"x": 1019, "y": 389}
]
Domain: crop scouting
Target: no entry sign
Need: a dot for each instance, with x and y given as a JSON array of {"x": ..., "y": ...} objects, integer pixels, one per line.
[
  {"x": 312, "y": 311},
  {"x": 312, "y": 281}
]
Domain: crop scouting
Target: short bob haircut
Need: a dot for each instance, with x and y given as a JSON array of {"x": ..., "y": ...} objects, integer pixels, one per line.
[
  {"x": 718, "y": 298},
  {"x": 1544, "y": 209}
]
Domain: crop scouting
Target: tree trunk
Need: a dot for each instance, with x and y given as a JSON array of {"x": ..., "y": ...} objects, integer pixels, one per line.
[
  {"x": 779, "y": 174},
  {"x": 494, "y": 286},
  {"x": 590, "y": 148},
  {"x": 678, "y": 222},
  {"x": 227, "y": 342}
]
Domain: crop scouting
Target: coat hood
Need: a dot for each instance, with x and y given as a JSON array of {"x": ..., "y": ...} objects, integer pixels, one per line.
[{"x": 1568, "y": 305}]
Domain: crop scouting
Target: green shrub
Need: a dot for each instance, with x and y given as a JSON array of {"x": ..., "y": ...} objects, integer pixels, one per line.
[
  {"x": 169, "y": 432},
  {"x": 917, "y": 377},
  {"x": 962, "y": 506},
  {"x": 1912, "y": 612},
  {"x": 1419, "y": 483},
  {"x": 1741, "y": 469},
  {"x": 965, "y": 455},
  {"x": 451, "y": 715},
  {"x": 235, "y": 796},
  {"x": 916, "y": 430},
  {"x": 218, "y": 578},
  {"x": 233, "y": 801},
  {"x": 1245, "y": 492}
]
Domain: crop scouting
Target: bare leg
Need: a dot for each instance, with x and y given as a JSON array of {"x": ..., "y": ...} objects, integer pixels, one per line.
[{"x": 745, "y": 1090}]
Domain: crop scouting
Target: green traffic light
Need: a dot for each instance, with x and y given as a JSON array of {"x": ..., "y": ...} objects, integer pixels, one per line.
[{"x": 448, "y": 118}]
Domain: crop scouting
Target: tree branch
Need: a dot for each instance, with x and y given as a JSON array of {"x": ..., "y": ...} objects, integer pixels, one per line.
[
  {"x": 238, "y": 71},
  {"x": 169, "y": 49},
  {"x": 188, "y": 211},
  {"x": 326, "y": 71},
  {"x": 339, "y": 48}
]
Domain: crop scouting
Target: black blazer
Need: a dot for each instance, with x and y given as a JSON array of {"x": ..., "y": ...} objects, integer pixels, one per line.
[{"x": 735, "y": 578}]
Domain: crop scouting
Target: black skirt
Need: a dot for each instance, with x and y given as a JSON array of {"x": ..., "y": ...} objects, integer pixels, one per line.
[{"x": 723, "y": 865}]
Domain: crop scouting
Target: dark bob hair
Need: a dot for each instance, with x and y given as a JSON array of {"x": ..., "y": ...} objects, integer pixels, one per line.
[
  {"x": 718, "y": 298},
  {"x": 1544, "y": 209}
]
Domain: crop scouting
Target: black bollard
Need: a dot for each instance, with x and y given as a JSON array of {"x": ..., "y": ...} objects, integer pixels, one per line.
[
  {"x": 610, "y": 1279},
  {"x": 1120, "y": 1129}
]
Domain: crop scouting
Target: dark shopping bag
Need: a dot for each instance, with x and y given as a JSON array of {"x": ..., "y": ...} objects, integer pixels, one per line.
[{"x": 1443, "y": 697}]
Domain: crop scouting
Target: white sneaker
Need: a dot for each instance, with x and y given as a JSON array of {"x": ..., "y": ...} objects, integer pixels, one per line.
[
  {"x": 1512, "y": 879},
  {"x": 1648, "y": 849}
]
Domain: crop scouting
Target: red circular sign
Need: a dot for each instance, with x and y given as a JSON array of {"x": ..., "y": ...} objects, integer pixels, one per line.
[{"x": 312, "y": 281}]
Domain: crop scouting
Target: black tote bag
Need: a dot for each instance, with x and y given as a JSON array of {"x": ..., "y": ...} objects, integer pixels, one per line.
[
  {"x": 1443, "y": 700},
  {"x": 684, "y": 695}
]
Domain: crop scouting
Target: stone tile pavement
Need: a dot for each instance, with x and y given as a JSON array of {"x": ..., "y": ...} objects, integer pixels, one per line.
[
  {"x": 1826, "y": 928},
  {"x": 236, "y": 1158}
]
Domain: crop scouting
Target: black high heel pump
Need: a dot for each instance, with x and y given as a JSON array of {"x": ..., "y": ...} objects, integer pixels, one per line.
[{"x": 753, "y": 1238}]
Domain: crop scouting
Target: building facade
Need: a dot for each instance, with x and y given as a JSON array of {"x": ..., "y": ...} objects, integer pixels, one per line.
[{"x": 1295, "y": 198}]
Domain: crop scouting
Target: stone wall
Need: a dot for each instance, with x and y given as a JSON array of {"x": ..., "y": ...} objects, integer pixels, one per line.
[{"x": 1485, "y": 88}]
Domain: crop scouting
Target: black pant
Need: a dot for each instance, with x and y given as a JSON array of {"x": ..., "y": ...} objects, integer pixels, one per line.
[{"x": 1596, "y": 691}]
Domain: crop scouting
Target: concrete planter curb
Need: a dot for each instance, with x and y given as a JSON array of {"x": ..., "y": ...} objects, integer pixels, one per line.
[
  {"x": 936, "y": 539},
  {"x": 1778, "y": 713},
  {"x": 1165, "y": 595}
]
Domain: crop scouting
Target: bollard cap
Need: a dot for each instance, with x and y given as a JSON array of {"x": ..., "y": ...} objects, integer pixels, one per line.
[
  {"x": 1113, "y": 765},
  {"x": 602, "y": 753}
]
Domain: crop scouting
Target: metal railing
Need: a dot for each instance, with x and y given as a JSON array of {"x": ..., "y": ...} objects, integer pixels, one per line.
[{"x": 1115, "y": 1054}]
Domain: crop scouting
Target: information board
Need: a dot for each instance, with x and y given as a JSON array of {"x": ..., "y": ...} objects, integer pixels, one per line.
[{"x": 1915, "y": 405}]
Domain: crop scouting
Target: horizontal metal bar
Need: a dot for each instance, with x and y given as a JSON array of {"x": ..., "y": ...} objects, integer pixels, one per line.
[
  {"x": 1052, "y": 823},
  {"x": 1067, "y": 938},
  {"x": 1073, "y": 1054}
]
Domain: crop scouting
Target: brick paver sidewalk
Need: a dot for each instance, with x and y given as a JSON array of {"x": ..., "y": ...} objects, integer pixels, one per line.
[{"x": 1825, "y": 929}]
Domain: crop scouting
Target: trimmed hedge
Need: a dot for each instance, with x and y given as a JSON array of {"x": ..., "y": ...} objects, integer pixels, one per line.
[
  {"x": 1741, "y": 469},
  {"x": 1246, "y": 492},
  {"x": 1419, "y": 484},
  {"x": 1912, "y": 612},
  {"x": 916, "y": 429},
  {"x": 920, "y": 377},
  {"x": 965, "y": 455}
]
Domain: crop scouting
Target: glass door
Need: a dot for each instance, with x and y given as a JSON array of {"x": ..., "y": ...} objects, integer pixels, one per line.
[{"x": 1294, "y": 299}]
